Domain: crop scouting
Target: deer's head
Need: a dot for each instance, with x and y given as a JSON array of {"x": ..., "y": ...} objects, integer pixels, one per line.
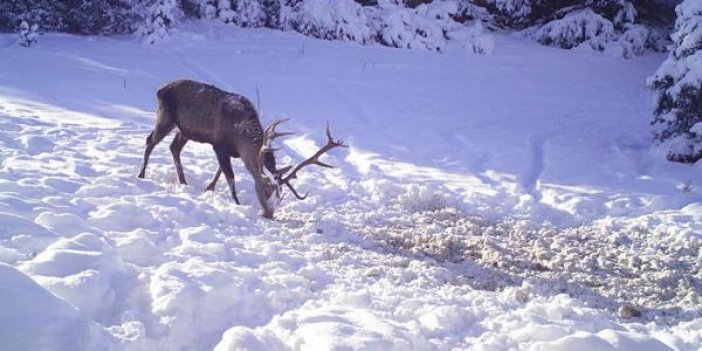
[{"x": 271, "y": 192}]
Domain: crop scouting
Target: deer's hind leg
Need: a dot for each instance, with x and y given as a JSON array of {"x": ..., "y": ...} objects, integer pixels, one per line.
[
  {"x": 162, "y": 129},
  {"x": 176, "y": 147}
]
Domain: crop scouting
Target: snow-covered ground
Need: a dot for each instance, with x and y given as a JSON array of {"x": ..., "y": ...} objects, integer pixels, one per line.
[{"x": 487, "y": 202}]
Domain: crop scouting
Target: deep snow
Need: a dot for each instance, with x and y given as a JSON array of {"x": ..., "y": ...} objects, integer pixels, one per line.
[{"x": 487, "y": 202}]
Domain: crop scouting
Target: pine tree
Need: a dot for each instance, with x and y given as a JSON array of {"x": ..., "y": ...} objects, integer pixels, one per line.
[
  {"x": 425, "y": 27},
  {"x": 576, "y": 28},
  {"x": 678, "y": 88},
  {"x": 272, "y": 10},
  {"x": 328, "y": 19},
  {"x": 225, "y": 11},
  {"x": 96, "y": 17},
  {"x": 603, "y": 25},
  {"x": 158, "y": 16},
  {"x": 72, "y": 16},
  {"x": 250, "y": 13},
  {"x": 42, "y": 12}
]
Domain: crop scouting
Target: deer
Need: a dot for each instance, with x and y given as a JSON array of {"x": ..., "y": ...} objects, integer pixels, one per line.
[{"x": 229, "y": 122}]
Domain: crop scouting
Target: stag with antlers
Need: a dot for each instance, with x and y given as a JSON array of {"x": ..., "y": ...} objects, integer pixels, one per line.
[{"x": 229, "y": 123}]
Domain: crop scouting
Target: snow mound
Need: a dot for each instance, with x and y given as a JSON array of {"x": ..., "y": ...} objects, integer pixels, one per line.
[
  {"x": 606, "y": 340},
  {"x": 34, "y": 319},
  {"x": 327, "y": 328}
]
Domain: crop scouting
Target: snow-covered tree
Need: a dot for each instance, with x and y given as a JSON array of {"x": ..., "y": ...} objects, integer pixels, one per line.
[
  {"x": 249, "y": 13},
  {"x": 618, "y": 26},
  {"x": 469, "y": 10},
  {"x": 72, "y": 16},
  {"x": 96, "y": 17},
  {"x": 678, "y": 88},
  {"x": 328, "y": 19},
  {"x": 425, "y": 27},
  {"x": 273, "y": 10},
  {"x": 526, "y": 13},
  {"x": 206, "y": 9},
  {"x": 225, "y": 11},
  {"x": 603, "y": 25},
  {"x": 28, "y": 34},
  {"x": 512, "y": 12},
  {"x": 43, "y": 12},
  {"x": 575, "y": 29},
  {"x": 634, "y": 41},
  {"x": 244, "y": 13},
  {"x": 158, "y": 16},
  {"x": 593, "y": 22}
]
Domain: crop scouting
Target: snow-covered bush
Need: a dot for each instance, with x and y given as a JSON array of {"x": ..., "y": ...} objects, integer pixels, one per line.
[
  {"x": 328, "y": 19},
  {"x": 511, "y": 12},
  {"x": 634, "y": 41},
  {"x": 604, "y": 25},
  {"x": 577, "y": 28},
  {"x": 28, "y": 34},
  {"x": 678, "y": 88},
  {"x": 424, "y": 27},
  {"x": 158, "y": 17}
]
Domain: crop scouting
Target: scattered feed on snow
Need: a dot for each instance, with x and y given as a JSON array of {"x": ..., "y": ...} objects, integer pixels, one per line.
[{"x": 605, "y": 265}]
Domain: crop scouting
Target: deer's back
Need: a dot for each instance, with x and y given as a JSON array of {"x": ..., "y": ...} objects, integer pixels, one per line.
[{"x": 207, "y": 114}]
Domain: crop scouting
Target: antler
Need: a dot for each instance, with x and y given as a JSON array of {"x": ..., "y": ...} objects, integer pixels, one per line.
[
  {"x": 314, "y": 160},
  {"x": 268, "y": 135}
]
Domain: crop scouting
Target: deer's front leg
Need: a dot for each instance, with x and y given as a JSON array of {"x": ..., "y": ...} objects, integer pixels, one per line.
[
  {"x": 225, "y": 165},
  {"x": 213, "y": 183}
]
